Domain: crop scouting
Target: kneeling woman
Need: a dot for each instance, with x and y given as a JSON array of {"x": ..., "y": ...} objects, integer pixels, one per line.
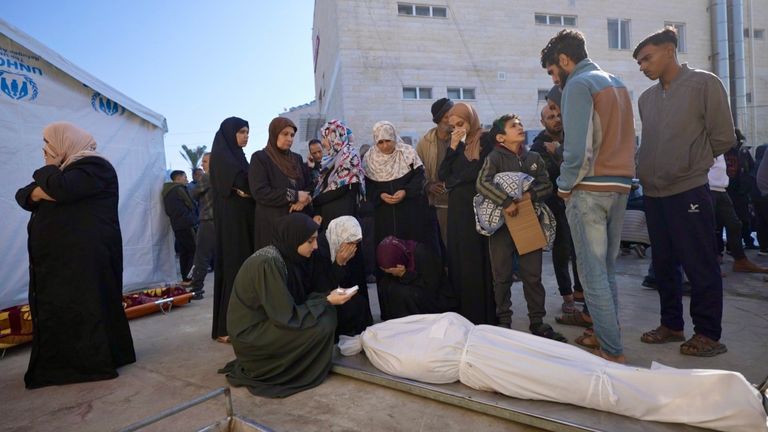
[
  {"x": 414, "y": 280},
  {"x": 282, "y": 337}
]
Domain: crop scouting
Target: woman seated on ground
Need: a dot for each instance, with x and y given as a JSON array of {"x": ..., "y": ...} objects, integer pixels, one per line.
[
  {"x": 414, "y": 280},
  {"x": 346, "y": 270},
  {"x": 282, "y": 336}
]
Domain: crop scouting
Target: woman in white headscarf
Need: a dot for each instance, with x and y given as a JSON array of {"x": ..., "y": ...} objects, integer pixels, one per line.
[
  {"x": 338, "y": 263},
  {"x": 75, "y": 263},
  {"x": 394, "y": 178}
]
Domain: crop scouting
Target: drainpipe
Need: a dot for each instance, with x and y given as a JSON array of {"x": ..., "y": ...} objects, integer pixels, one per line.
[
  {"x": 738, "y": 69},
  {"x": 752, "y": 110},
  {"x": 719, "y": 15}
]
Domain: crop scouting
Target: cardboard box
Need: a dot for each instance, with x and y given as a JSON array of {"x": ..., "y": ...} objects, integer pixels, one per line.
[{"x": 525, "y": 229}]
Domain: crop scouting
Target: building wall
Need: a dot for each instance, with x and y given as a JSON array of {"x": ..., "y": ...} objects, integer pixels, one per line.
[
  {"x": 755, "y": 126},
  {"x": 380, "y": 52}
]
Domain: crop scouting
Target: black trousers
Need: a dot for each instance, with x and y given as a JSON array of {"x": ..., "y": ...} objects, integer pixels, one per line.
[
  {"x": 563, "y": 253},
  {"x": 761, "y": 217},
  {"x": 502, "y": 252},
  {"x": 725, "y": 216},
  {"x": 741, "y": 206},
  {"x": 680, "y": 227},
  {"x": 204, "y": 251},
  {"x": 185, "y": 248}
]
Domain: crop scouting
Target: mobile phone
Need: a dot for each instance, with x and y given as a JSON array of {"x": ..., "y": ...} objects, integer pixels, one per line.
[{"x": 347, "y": 291}]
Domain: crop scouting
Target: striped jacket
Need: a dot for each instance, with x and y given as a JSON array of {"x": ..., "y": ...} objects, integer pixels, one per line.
[{"x": 599, "y": 148}]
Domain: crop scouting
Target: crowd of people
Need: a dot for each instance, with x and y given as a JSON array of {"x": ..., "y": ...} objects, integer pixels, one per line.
[{"x": 293, "y": 244}]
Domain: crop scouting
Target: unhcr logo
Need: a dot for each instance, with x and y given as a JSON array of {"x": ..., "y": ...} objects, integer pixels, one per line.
[
  {"x": 103, "y": 104},
  {"x": 17, "y": 86}
]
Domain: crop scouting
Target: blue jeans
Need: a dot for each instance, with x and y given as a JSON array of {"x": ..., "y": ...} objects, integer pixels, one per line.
[{"x": 595, "y": 219}]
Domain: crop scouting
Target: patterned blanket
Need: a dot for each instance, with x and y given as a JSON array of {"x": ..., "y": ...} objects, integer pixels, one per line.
[{"x": 489, "y": 217}]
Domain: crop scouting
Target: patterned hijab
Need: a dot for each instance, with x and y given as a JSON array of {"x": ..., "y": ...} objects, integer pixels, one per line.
[
  {"x": 393, "y": 251},
  {"x": 342, "y": 165},
  {"x": 382, "y": 167},
  {"x": 67, "y": 143},
  {"x": 472, "y": 121},
  {"x": 286, "y": 163},
  {"x": 344, "y": 229}
]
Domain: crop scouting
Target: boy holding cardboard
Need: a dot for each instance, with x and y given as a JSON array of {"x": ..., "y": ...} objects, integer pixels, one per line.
[{"x": 510, "y": 155}]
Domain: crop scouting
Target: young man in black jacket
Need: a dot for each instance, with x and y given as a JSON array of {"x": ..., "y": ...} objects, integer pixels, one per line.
[
  {"x": 548, "y": 144},
  {"x": 510, "y": 155},
  {"x": 181, "y": 211}
]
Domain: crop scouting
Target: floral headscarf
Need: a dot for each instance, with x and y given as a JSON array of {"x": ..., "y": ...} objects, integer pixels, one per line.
[
  {"x": 342, "y": 165},
  {"x": 382, "y": 167}
]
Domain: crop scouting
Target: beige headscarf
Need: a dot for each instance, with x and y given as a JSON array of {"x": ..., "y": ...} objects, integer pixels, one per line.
[
  {"x": 67, "y": 143},
  {"x": 474, "y": 130}
]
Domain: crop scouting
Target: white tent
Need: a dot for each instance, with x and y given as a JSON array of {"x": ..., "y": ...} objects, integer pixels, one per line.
[{"x": 37, "y": 87}]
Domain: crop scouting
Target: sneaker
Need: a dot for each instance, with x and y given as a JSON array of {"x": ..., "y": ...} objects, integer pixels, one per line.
[
  {"x": 198, "y": 295},
  {"x": 763, "y": 252},
  {"x": 639, "y": 250}
]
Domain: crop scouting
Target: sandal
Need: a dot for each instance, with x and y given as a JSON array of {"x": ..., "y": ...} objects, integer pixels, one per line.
[
  {"x": 588, "y": 341},
  {"x": 569, "y": 307},
  {"x": 578, "y": 296},
  {"x": 546, "y": 331},
  {"x": 661, "y": 335},
  {"x": 702, "y": 346},
  {"x": 574, "y": 319},
  {"x": 223, "y": 339}
]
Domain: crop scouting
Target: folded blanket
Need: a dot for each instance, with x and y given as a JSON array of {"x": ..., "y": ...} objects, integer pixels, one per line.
[{"x": 489, "y": 217}]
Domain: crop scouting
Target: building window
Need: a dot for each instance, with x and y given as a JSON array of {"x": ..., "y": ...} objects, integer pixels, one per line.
[
  {"x": 459, "y": 93},
  {"x": 417, "y": 93},
  {"x": 682, "y": 42},
  {"x": 555, "y": 20},
  {"x": 543, "y": 94},
  {"x": 758, "y": 34},
  {"x": 410, "y": 9},
  {"x": 749, "y": 98},
  {"x": 746, "y": 33},
  {"x": 618, "y": 33}
]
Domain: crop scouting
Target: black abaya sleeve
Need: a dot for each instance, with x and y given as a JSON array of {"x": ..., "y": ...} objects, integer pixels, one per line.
[
  {"x": 261, "y": 188},
  {"x": 22, "y": 197},
  {"x": 373, "y": 192},
  {"x": 82, "y": 179},
  {"x": 415, "y": 185}
]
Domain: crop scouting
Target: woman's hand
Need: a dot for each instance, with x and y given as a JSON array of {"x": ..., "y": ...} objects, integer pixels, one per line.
[
  {"x": 398, "y": 196},
  {"x": 397, "y": 271},
  {"x": 387, "y": 198},
  {"x": 335, "y": 298},
  {"x": 345, "y": 253},
  {"x": 457, "y": 136},
  {"x": 39, "y": 194}
]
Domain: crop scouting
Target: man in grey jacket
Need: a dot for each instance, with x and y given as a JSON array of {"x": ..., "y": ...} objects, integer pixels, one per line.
[
  {"x": 206, "y": 232},
  {"x": 686, "y": 123}
]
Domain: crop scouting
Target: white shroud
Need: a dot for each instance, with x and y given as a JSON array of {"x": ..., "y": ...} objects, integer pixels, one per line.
[{"x": 444, "y": 348}]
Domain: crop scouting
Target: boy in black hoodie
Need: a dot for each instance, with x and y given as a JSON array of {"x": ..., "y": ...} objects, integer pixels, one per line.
[
  {"x": 510, "y": 155},
  {"x": 182, "y": 212}
]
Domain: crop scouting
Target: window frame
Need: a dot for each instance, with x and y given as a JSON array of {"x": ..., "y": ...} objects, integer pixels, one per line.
[
  {"x": 413, "y": 13},
  {"x": 620, "y": 21},
  {"x": 549, "y": 16},
  {"x": 419, "y": 90},
  {"x": 461, "y": 91}
]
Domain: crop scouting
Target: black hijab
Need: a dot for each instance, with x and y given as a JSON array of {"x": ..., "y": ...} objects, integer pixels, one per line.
[
  {"x": 293, "y": 230},
  {"x": 227, "y": 158}
]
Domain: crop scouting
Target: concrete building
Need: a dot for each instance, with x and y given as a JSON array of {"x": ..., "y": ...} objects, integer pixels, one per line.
[{"x": 390, "y": 60}]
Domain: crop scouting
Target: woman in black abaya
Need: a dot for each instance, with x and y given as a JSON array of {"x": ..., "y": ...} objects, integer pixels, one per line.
[
  {"x": 75, "y": 264},
  {"x": 232, "y": 214}
]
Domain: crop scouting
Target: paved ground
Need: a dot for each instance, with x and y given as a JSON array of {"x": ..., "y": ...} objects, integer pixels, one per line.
[{"x": 178, "y": 362}]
